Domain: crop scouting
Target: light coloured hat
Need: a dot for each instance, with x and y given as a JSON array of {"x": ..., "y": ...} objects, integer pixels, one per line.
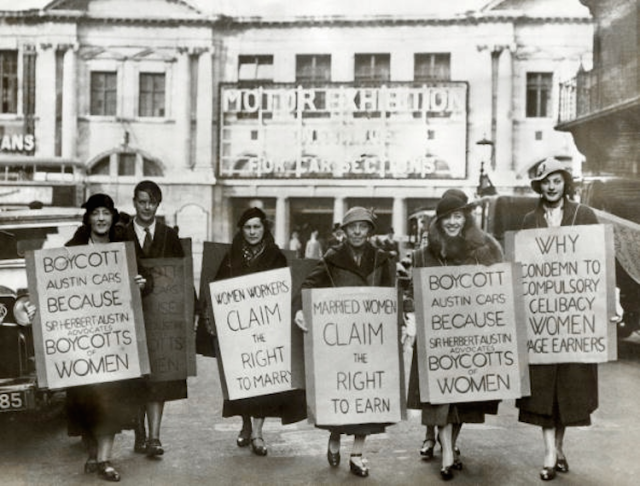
[
  {"x": 547, "y": 167},
  {"x": 358, "y": 213}
]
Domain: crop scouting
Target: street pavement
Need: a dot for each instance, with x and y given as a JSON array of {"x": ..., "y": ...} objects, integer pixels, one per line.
[{"x": 201, "y": 450}]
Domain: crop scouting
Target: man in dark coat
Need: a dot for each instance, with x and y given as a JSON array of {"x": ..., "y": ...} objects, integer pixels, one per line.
[{"x": 153, "y": 239}]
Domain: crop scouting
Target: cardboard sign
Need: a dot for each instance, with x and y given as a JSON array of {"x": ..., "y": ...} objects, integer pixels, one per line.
[
  {"x": 352, "y": 355},
  {"x": 89, "y": 326},
  {"x": 568, "y": 282},
  {"x": 252, "y": 317},
  {"x": 470, "y": 333},
  {"x": 168, "y": 313}
]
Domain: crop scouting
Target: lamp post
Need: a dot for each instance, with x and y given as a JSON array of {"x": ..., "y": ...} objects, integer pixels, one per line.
[{"x": 485, "y": 187}]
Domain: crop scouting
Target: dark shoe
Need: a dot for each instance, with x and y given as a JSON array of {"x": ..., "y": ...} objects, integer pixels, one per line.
[
  {"x": 154, "y": 448},
  {"x": 91, "y": 465},
  {"x": 106, "y": 471},
  {"x": 547, "y": 473},
  {"x": 427, "y": 449},
  {"x": 258, "y": 447},
  {"x": 140, "y": 445},
  {"x": 446, "y": 473},
  {"x": 562, "y": 466},
  {"x": 333, "y": 457},
  {"x": 361, "y": 471},
  {"x": 457, "y": 463},
  {"x": 244, "y": 438}
]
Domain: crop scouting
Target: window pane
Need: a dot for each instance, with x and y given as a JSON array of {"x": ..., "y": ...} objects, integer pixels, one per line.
[
  {"x": 313, "y": 68},
  {"x": 152, "y": 94},
  {"x": 254, "y": 68},
  {"x": 8, "y": 81},
  {"x": 104, "y": 93},
  {"x": 101, "y": 167},
  {"x": 539, "y": 94},
  {"x": 127, "y": 165},
  {"x": 372, "y": 68},
  {"x": 150, "y": 168},
  {"x": 432, "y": 66}
]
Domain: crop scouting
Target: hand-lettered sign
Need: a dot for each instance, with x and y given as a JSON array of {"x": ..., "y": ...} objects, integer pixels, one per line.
[
  {"x": 252, "y": 317},
  {"x": 471, "y": 339},
  {"x": 568, "y": 282},
  {"x": 169, "y": 320},
  {"x": 88, "y": 327},
  {"x": 352, "y": 355}
]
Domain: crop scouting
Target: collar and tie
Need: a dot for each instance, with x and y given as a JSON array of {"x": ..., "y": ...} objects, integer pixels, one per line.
[{"x": 146, "y": 246}]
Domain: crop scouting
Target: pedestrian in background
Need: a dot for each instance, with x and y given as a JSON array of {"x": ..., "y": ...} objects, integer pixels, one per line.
[
  {"x": 562, "y": 394},
  {"x": 353, "y": 263},
  {"x": 313, "y": 248},
  {"x": 97, "y": 412},
  {"x": 153, "y": 239},
  {"x": 453, "y": 239},
  {"x": 254, "y": 250},
  {"x": 295, "y": 245}
]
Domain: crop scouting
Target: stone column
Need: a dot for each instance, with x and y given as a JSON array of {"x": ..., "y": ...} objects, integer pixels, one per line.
[
  {"x": 399, "y": 216},
  {"x": 45, "y": 131},
  {"x": 204, "y": 112},
  {"x": 182, "y": 105},
  {"x": 338, "y": 209},
  {"x": 69, "y": 104},
  {"x": 281, "y": 230}
]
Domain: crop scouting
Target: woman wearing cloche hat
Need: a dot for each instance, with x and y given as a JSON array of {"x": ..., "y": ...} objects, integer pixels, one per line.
[
  {"x": 353, "y": 263},
  {"x": 562, "y": 394},
  {"x": 454, "y": 239}
]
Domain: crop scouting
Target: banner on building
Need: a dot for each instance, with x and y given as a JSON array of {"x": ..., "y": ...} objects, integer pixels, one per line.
[
  {"x": 252, "y": 316},
  {"x": 396, "y": 131},
  {"x": 353, "y": 367},
  {"x": 169, "y": 317},
  {"x": 89, "y": 326},
  {"x": 568, "y": 283},
  {"x": 471, "y": 340}
]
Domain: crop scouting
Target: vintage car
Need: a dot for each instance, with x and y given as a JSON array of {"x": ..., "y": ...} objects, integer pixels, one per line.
[{"x": 22, "y": 230}]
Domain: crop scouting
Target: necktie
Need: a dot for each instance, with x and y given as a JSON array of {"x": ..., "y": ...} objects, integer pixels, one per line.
[{"x": 146, "y": 246}]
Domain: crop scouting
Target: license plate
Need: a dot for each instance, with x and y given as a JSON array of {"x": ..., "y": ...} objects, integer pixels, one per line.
[{"x": 12, "y": 401}]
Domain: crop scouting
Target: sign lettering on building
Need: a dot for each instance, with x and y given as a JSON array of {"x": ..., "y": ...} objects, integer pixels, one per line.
[
  {"x": 400, "y": 131},
  {"x": 17, "y": 143}
]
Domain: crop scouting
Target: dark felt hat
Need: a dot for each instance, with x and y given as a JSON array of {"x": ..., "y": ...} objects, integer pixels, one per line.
[
  {"x": 451, "y": 202},
  {"x": 250, "y": 214}
]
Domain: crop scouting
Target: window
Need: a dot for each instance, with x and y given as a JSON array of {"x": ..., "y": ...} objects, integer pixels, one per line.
[
  {"x": 152, "y": 94},
  {"x": 9, "y": 81},
  {"x": 539, "y": 94},
  {"x": 255, "y": 68},
  {"x": 104, "y": 91},
  {"x": 126, "y": 164},
  {"x": 313, "y": 68},
  {"x": 430, "y": 67},
  {"x": 372, "y": 68}
]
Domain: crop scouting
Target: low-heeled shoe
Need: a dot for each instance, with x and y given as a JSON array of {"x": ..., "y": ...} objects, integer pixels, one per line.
[
  {"x": 547, "y": 473},
  {"x": 333, "y": 458},
  {"x": 154, "y": 448},
  {"x": 427, "y": 449},
  {"x": 562, "y": 466},
  {"x": 361, "y": 471},
  {"x": 446, "y": 473},
  {"x": 259, "y": 449},
  {"x": 108, "y": 472}
]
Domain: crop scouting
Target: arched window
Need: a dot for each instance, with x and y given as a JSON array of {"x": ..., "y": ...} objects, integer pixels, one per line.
[{"x": 125, "y": 163}]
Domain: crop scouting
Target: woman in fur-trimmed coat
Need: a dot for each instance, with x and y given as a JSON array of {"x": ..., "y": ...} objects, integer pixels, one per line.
[{"x": 454, "y": 239}]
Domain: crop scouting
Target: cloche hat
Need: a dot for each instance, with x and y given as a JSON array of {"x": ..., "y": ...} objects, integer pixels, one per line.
[
  {"x": 358, "y": 213},
  {"x": 547, "y": 167}
]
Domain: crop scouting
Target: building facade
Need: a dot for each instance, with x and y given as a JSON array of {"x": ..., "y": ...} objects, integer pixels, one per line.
[{"x": 304, "y": 116}]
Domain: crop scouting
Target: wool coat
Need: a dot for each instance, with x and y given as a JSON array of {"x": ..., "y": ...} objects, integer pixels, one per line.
[
  {"x": 289, "y": 406},
  {"x": 475, "y": 248},
  {"x": 564, "y": 393},
  {"x": 339, "y": 269}
]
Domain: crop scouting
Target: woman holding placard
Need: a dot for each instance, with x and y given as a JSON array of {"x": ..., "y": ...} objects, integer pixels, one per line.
[
  {"x": 563, "y": 394},
  {"x": 253, "y": 250},
  {"x": 453, "y": 239},
  {"x": 353, "y": 263},
  {"x": 98, "y": 412}
]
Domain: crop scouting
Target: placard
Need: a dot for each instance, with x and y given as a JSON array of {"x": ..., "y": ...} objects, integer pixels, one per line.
[
  {"x": 89, "y": 326},
  {"x": 471, "y": 334},
  {"x": 252, "y": 317},
  {"x": 168, "y": 312},
  {"x": 568, "y": 283},
  {"x": 352, "y": 356}
]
